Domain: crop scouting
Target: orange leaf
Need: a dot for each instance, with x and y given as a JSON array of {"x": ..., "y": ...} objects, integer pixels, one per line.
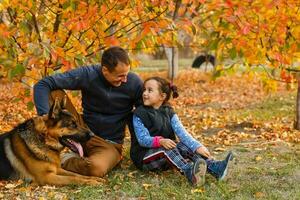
[
  {"x": 259, "y": 195},
  {"x": 111, "y": 41}
]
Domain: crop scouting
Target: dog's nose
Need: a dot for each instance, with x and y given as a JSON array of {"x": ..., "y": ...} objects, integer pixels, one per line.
[
  {"x": 91, "y": 134},
  {"x": 88, "y": 134}
]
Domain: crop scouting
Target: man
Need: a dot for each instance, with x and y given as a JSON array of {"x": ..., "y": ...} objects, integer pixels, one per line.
[{"x": 109, "y": 93}]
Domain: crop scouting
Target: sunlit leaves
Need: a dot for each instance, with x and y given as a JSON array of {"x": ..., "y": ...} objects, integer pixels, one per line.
[
  {"x": 18, "y": 70},
  {"x": 51, "y": 34},
  {"x": 48, "y": 35}
]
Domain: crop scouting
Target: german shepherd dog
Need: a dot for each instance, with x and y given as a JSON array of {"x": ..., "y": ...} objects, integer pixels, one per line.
[{"x": 32, "y": 149}]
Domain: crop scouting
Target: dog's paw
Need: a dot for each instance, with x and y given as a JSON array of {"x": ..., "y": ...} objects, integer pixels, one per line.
[
  {"x": 102, "y": 180},
  {"x": 94, "y": 182}
]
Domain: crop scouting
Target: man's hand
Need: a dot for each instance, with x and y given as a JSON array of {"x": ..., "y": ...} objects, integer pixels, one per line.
[
  {"x": 167, "y": 143},
  {"x": 203, "y": 151}
]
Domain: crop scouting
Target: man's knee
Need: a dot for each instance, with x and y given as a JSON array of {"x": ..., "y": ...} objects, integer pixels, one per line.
[
  {"x": 101, "y": 166},
  {"x": 77, "y": 165},
  {"x": 98, "y": 170}
]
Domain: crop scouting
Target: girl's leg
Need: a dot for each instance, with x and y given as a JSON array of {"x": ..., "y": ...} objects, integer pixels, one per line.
[
  {"x": 216, "y": 168},
  {"x": 160, "y": 159},
  {"x": 186, "y": 152},
  {"x": 155, "y": 160}
]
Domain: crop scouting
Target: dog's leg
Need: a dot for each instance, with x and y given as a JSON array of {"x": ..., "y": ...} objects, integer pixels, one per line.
[
  {"x": 63, "y": 172},
  {"x": 54, "y": 179}
]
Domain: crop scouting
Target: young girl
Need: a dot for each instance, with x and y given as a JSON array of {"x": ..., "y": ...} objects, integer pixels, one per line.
[{"x": 153, "y": 144}]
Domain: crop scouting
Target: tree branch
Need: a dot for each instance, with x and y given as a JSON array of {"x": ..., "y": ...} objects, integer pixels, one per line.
[
  {"x": 110, "y": 9},
  {"x": 177, "y": 6},
  {"x": 137, "y": 24},
  {"x": 99, "y": 49},
  {"x": 111, "y": 25},
  {"x": 272, "y": 77},
  {"x": 35, "y": 24},
  {"x": 67, "y": 38},
  {"x": 11, "y": 16},
  {"x": 57, "y": 20},
  {"x": 19, "y": 45}
]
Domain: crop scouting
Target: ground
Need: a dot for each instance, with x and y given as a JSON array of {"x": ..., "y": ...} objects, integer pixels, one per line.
[{"x": 233, "y": 113}]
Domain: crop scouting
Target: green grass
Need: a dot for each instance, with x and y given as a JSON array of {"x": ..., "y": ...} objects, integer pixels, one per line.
[
  {"x": 271, "y": 108},
  {"x": 160, "y": 65},
  {"x": 275, "y": 176}
]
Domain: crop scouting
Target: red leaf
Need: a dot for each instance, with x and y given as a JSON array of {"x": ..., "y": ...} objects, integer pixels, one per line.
[
  {"x": 112, "y": 41},
  {"x": 245, "y": 29},
  {"x": 229, "y": 3}
]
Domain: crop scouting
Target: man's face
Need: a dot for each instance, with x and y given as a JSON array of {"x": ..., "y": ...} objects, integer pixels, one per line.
[{"x": 118, "y": 75}]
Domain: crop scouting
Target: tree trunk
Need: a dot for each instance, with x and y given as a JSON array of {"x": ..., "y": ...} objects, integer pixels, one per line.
[
  {"x": 297, "y": 121},
  {"x": 172, "y": 56}
]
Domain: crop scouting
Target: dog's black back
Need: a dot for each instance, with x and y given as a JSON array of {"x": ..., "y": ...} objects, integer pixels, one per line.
[
  {"x": 203, "y": 59},
  {"x": 6, "y": 170}
]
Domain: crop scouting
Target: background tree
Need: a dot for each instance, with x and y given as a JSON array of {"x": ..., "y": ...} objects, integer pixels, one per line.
[
  {"x": 41, "y": 36},
  {"x": 259, "y": 33},
  {"x": 38, "y": 37}
]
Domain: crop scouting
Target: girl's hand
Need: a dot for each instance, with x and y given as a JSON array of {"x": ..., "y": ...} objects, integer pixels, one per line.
[
  {"x": 203, "y": 151},
  {"x": 167, "y": 143}
]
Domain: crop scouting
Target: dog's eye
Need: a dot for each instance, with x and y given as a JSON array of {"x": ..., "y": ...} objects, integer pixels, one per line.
[{"x": 73, "y": 124}]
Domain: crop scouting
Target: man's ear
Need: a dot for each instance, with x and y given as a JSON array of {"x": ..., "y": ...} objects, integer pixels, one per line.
[
  {"x": 104, "y": 70},
  {"x": 55, "y": 109}
]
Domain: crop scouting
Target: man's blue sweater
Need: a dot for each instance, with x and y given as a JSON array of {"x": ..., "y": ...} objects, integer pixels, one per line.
[{"x": 106, "y": 109}]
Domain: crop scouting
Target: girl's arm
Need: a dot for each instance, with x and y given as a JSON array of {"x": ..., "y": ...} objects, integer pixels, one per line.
[
  {"x": 142, "y": 134},
  {"x": 183, "y": 135}
]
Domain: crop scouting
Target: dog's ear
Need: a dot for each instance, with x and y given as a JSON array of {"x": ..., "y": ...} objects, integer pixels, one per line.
[
  {"x": 64, "y": 102},
  {"x": 55, "y": 109},
  {"x": 40, "y": 123}
]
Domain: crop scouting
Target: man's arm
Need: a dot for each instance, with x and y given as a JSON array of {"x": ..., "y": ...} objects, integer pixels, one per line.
[
  {"x": 138, "y": 100},
  {"x": 71, "y": 80}
]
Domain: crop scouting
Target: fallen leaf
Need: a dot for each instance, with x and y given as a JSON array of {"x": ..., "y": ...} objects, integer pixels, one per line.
[
  {"x": 258, "y": 158},
  {"x": 147, "y": 186},
  {"x": 198, "y": 190},
  {"x": 10, "y": 186},
  {"x": 219, "y": 149},
  {"x": 259, "y": 195},
  {"x": 131, "y": 174},
  {"x": 47, "y": 187}
]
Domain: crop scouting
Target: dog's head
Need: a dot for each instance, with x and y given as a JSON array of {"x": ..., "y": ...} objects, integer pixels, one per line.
[{"x": 61, "y": 129}]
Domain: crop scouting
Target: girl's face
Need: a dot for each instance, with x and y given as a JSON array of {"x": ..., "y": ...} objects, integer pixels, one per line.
[{"x": 152, "y": 95}]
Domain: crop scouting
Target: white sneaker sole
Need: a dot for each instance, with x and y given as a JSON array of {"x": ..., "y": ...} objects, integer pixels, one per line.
[
  {"x": 200, "y": 176},
  {"x": 226, "y": 169}
]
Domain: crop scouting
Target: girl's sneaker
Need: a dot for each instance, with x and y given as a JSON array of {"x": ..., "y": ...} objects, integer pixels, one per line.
[
  {"x": 219, "y": 168},
  {"x": 196, "y": 174}
]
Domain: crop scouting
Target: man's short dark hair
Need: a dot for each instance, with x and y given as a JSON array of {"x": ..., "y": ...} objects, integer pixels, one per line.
[{"x": 114, "y": 55}]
